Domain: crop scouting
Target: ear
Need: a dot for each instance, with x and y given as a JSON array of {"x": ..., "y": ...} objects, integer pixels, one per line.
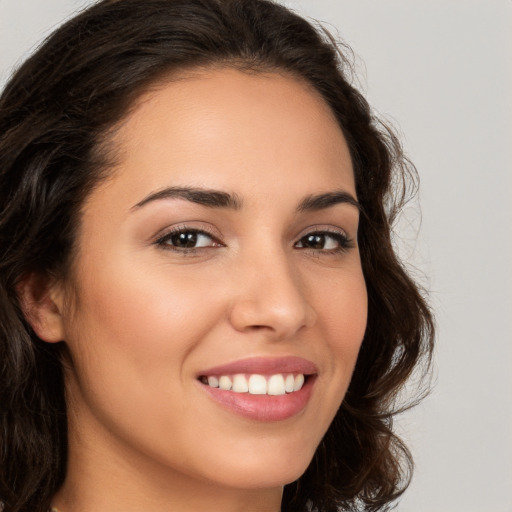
[{"x": 41, "y": 299}]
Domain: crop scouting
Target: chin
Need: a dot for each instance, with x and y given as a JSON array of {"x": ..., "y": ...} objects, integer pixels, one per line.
[
  {"x": 265, "y": 479},
  {"x": 254, "y": 472}
]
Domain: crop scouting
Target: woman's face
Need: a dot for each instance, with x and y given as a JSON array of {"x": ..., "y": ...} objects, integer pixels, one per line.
[{"x": 222, "y": 251}]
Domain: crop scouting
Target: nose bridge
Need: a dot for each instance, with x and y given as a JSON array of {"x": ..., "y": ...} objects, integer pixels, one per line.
[{"x": 270, "y": 294}]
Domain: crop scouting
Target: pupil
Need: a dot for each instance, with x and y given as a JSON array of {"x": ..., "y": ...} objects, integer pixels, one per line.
[
  {"x": 184, "y": 240},
  {"x": 315, "y": 241}
]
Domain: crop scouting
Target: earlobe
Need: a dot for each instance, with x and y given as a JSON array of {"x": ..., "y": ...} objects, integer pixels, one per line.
[{"x": 41, "y": 300}]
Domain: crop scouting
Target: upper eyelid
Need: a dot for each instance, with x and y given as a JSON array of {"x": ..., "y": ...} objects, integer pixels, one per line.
[
  {"x": 323, "y": 228},
  {"x": 162, "y": 241},
  {"x": 340, "y": 237},
  {"x": 187, "y": 227}
]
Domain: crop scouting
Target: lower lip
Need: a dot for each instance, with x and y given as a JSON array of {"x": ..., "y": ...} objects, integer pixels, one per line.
[{"x": 263, "y": 407}]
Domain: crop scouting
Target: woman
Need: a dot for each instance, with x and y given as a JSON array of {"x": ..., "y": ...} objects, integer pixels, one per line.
[{"x": 201, "y": 306}]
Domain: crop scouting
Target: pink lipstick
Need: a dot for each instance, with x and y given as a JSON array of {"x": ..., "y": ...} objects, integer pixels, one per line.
[{"x": 262, "y": 389}]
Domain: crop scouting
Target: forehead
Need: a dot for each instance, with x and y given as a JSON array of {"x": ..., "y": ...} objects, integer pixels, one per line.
[{"x": 226, "y": 128}]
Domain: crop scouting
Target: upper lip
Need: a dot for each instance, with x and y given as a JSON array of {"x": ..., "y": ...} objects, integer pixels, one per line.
[{"x": 265, "y": 366}]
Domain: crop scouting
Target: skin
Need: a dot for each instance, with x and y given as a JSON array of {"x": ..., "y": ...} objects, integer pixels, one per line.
[{"x": 141, "y": 319}]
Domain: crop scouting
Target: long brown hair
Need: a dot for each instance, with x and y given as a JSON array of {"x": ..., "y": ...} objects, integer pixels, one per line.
[{"x": 55, "y": 117}]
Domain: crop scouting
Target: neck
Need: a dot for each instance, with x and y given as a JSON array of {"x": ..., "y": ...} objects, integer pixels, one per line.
[
  {"x": 104, "y": 498},
  {"x": 69, "y": 500}
]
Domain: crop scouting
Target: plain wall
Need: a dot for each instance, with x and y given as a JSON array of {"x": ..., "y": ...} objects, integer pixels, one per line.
[{"x": 441, "y": 70}]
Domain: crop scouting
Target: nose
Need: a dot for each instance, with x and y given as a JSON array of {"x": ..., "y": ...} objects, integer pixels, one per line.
[{"x": 270, "y": 297}]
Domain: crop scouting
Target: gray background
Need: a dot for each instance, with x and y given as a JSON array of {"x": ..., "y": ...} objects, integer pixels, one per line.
[{"x": 441, "y": 71}]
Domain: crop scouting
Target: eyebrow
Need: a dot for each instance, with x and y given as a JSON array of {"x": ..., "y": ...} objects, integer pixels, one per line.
[
  {"x": 326, "y": 200},
  {"x": 202, "y": 196},
  {"x": 220, "y": 199}
]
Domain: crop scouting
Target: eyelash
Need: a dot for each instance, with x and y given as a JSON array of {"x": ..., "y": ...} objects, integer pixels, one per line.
[
  {"x": 163, "y": 241},
  {"x": 344, "y": 243}
]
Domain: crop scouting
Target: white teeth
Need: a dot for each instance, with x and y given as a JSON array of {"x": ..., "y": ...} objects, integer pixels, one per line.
[
  {"x": 288, "y": 383},
  {"x": 299, "y": 382},
  {"x": 255, "y": 384},
  {"x": 225, "y": 383},
  {"x": 276, "y": 385},
  {"x": 240, "y": 384},
  {"x": 213, "y": 382}
]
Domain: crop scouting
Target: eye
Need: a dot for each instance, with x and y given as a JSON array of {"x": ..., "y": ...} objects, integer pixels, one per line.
[
  {"x": 324, "y": 241},
  {"x": 187, "y": 239}
]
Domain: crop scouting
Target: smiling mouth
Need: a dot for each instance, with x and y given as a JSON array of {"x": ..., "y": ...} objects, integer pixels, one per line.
[
  {"x": 267, "y": 389},
  {"x": 257, "y": 384}
]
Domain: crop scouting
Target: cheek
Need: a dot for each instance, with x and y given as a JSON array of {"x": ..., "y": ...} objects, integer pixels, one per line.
[
  {"x": 342, "y": 308},
  {"x": 129, "y": 340},
  {"x": 156, "y": 306},
  {"x": 136, "y": 330}
]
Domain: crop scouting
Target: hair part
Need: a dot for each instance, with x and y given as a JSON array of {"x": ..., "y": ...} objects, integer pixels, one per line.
[{"x": 57, "y": 117}]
